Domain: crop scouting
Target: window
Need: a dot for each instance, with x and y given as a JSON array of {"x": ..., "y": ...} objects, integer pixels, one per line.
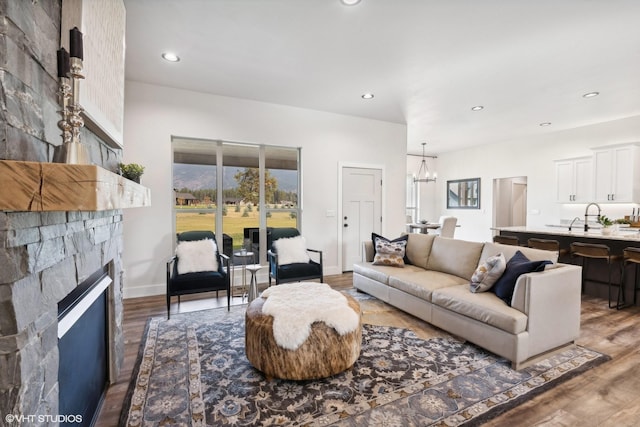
[
  {"x": 412, "y": 195},
  {"x": 194, "y": 186},
  {"x": 281, "y": 187},
  {"x": 240, "y": 193},
  {"x": 259, "y": 189}
]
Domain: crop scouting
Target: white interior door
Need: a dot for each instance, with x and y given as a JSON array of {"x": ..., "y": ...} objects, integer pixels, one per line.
[
  {"x": 361, "y": 211},
  {"x": 510, "y": 201},
  {"x": 519, "y": 209}
]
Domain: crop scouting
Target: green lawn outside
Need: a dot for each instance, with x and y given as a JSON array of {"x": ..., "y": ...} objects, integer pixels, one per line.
[{"x": 233, "y": 223}]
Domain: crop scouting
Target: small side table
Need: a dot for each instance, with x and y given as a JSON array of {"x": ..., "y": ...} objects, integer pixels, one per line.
[
  {"x": 244, "y": 255},
  {"x": 253, "y": 283}
]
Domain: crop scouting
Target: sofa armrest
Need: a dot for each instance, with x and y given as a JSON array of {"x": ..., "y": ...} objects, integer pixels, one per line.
[
  {"x": 551, "y": 300},
  {"x": 367, "y": 251}
]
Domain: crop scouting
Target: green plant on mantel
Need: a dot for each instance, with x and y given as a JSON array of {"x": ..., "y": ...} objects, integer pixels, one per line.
[
  {"x": 132, "y": 171},
  {"x": 604, "y": 221}
]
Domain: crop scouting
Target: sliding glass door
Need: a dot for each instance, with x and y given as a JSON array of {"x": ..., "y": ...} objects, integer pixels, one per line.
[
  {"x": 259, "y": 188},
  {"x": 282, "y": 179}
]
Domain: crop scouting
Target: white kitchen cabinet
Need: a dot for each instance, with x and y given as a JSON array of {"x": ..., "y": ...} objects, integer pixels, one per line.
[
  {"x": 574, "y": 180},
  {"x": 616, "y": 174}
]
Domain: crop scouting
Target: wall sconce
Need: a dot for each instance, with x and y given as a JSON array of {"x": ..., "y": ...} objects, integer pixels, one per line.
[{"x": 424, "y": 169}]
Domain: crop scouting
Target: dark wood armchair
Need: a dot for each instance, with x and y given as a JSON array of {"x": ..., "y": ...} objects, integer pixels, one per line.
[
  {"x": 293, "y": 272},
  {"x": 200, "y": 281}
]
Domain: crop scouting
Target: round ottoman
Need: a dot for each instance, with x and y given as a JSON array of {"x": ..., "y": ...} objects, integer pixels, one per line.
[{"x": 323, "y": 353}]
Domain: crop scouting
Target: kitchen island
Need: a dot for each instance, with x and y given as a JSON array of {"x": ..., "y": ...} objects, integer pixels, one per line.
[{"x": 597, "y": 269}]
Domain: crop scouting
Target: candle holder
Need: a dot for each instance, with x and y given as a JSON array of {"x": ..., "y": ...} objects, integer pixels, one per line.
[
  {"x": 64, "y": 94},
  {"x": 72, "y": 150}
]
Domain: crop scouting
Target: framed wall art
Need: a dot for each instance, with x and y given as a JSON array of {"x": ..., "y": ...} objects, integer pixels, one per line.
[{"x": 463, "y": 193}]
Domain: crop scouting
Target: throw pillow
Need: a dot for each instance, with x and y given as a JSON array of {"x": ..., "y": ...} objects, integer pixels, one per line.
[
  {"x": 405, "y": 238},
  {"x": 196, "y": 256},
  {"x": 517, "y": 265},
  {"x": 488, "y": 273},
  {"x": 389, "y": 253},
  {"x": 291, "y": 250}
]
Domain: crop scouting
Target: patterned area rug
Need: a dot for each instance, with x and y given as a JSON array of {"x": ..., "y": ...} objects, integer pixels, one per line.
[{"x": 192, "y": 370}]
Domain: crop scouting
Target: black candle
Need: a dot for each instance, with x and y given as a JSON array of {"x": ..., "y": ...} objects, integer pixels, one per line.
[
  {"x": 63, "y": 63},
  {"x": 75, "y": 44}
]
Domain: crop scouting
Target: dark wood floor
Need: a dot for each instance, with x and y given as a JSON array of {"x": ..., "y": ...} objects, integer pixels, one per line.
[{"x": 608, "y": 395}]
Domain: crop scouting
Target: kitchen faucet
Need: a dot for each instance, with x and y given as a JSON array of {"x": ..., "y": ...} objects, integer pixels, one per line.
[
  {"x": 586, "y": 215},
  {"x": 574, "y": 220}
]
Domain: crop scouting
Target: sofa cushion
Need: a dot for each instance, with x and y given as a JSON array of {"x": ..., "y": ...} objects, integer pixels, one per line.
[
  {"x": 457, "y": 257},
  {"x": 388, "y": 252},
  {"x": 421, "y": 283},
  {"x": 418, "y": 248},
  {"x": 376, "y": 239},
  {"x": 516, "y": 266},
  {"x": 484, "y": 307},
  {"x": 379, "y": 273},
  {"x": 487, "y": 273},
  {"x": 491, "y": 249}
]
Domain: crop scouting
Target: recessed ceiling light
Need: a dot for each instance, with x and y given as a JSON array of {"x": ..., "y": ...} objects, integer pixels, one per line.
[
  {"x": 367, "y": 96},
  {"x": 545, "y": 124},
  {"x": 590, "y": 94},
  {"x": 477, "y": 108},
  {"x": 171, "y": 57},
  {"x": 350, "y": 2}
]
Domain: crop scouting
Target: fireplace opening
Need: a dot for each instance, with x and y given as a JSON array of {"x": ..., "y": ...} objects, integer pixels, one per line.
[{"x": 83, "y": 372}]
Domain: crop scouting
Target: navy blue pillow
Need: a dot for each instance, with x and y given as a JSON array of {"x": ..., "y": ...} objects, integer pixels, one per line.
[
  {"x": 517, "y": 265},
  {"x": 375, "y": 236}
]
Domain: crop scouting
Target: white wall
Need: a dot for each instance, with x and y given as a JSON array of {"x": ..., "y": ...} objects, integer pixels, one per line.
[
  {"x": 531, "y": 157},
  {"x": 153, "y": 114}
]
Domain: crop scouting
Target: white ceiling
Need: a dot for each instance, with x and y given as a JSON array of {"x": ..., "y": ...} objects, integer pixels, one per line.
[{"x": 427, "y": 61}]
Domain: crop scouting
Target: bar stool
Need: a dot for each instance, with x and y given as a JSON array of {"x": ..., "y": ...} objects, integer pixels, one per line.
[
  {"x": 595, "y": 251},
  {"x": 547, "y": 245},
  {"x": 629, "y": 256},
  {"x": 506, "y": 240}
]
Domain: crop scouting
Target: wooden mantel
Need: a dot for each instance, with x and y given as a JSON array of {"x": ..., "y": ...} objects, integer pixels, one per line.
[{"x": 38, "y": 187}]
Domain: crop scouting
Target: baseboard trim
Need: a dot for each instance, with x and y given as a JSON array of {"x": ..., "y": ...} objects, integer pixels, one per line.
[
  {"x": 161, "y": 288},
  {"x": 144, "y": 291}
]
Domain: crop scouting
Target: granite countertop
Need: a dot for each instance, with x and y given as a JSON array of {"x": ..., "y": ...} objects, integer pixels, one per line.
[{"x": 625, "y": 233}]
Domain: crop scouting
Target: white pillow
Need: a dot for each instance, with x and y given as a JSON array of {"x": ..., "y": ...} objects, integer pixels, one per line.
[
  {"x": 198, "y": 255},
  {"x": 291, "y": 250},
  {"x": 488, "y": 273}
]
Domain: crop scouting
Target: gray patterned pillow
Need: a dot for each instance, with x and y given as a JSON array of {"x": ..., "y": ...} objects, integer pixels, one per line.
[
  {"x": 389, "y": 253},
  {"x": 488, "y": 273}
]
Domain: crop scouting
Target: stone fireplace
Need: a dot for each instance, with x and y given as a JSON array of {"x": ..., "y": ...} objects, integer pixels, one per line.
[
  {"x": 47, "y": 250},
  {"x": 46, "y": 255}
]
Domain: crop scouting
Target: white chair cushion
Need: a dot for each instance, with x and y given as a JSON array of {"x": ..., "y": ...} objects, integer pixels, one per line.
[
  {"x": 196, "y": 256},
  {"x": 291, "y": 250}
]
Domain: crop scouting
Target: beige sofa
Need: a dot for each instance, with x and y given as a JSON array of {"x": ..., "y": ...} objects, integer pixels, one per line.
[{"x": 544, "y": 313}]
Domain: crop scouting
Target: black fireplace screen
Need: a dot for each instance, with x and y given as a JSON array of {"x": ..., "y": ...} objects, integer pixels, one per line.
[{"x": 83, "y": 372}]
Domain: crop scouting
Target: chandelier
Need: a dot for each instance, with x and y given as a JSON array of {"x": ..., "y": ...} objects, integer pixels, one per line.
[{"x": 423, "y": 172}]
